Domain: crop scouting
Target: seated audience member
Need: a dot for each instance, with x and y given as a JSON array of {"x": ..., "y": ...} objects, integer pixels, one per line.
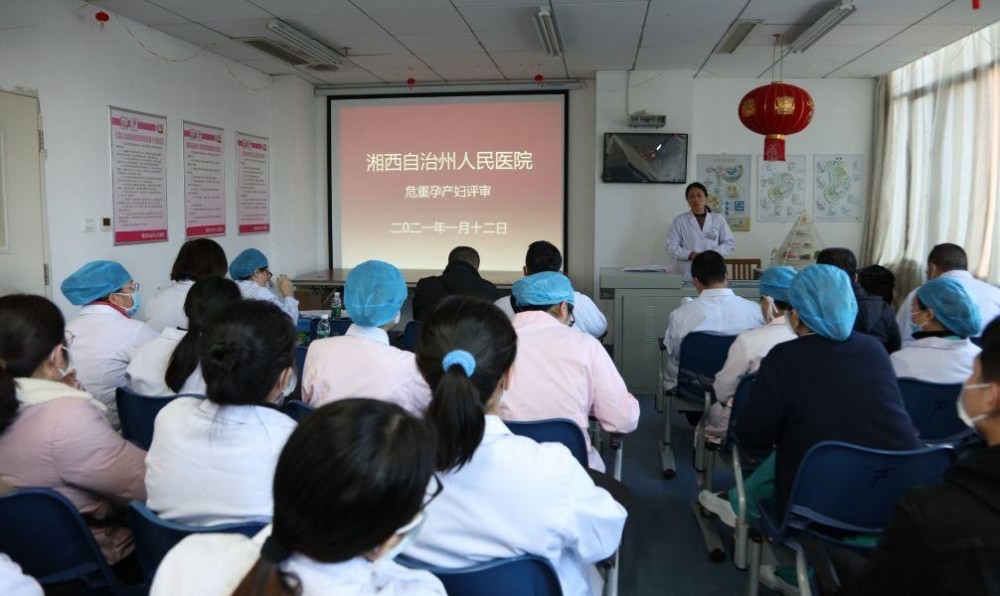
[
  {"x": 949, "y": 260},
  {"x": 828, "y": 384},
  {"x": 750, "y": 348},
  {"x": 945, "y": 539},
  {"x": 460, "y": 278},
  {"x": 249, "y": 270},
  {"x": 349, "y": 493},
  {"x": 105, "y": 334},
  {"x": 13, "y": 581},
  {"x": 168, "y": 365},
  {"x": 875, "y": 317},
  {"x": 55, "y": 436},
  {"x": 943, "y": 317},
  {"x": 504, "y": 495},
  {"x": 544, "y": 256},
  {"x": 212, "y": 460},
  {"x": 197, "y": 259},
  {"x": 878, "y": 281},
  {"x": 716, "y": 310},
  {"x": 560, "y": 373},
  {"x": 361, "y": 363}
]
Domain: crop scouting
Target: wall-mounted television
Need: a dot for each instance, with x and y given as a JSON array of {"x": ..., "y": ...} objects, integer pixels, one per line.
[{"x": 645, "y": 157}]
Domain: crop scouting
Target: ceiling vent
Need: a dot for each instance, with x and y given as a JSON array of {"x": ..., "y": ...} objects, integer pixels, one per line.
[{"x": 277, "y": 50}]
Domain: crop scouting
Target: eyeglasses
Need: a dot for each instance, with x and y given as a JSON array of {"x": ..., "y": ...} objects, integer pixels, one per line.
[
  {"x": 432, "y": 493},
  {"x": 267, "y": 271},
  {"x": 68, "y": 338}
]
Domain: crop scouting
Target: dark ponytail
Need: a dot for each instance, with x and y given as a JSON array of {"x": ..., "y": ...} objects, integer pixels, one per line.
[
  {"x": 206, "y": 299},
  {"x": 30, "y": 328},
  {"x": 478, "y": 342}
]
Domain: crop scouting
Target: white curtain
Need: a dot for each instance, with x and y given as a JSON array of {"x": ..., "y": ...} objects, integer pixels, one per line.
[{"x": 937, "y": 155}]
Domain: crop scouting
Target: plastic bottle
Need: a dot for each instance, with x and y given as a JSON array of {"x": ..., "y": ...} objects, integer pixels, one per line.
[
  {"x": 323, "y": 328},
  {"x": 336, "y": 306}
]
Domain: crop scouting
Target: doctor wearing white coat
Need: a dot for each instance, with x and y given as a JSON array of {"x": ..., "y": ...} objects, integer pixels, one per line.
[
  {"x": 697, "y": 231},
  {"x": 249, "y": 270}
]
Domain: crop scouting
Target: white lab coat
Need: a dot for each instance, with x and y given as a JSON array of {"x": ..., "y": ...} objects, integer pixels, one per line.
[
  {"x": 103, "y": 344},
  {"x": 935, "y": 360},
  {"x": 252, "y": 291},
  {"x": 715, "y": 310},
  {"x": 986, "y": 296},
  {"x": 146, "y": 373},
  {"x": 166, "y": 308},
  {"x": 685, "y": 237},
  {"x": 215, "y": 564},
  {"x": 211, "y": 464},
  {"x": 519, "y": 497},
  {"x": 13, "y": 581},
  {"x": 589, "y": 318}
]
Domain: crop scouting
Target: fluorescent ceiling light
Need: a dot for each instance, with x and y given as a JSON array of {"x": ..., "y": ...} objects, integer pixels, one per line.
[
  {"x": 318, "y": 52},
  {"x": 545, "y": 23},
  {"x": 821, "y": 27},
  {"x": 734, "y": 37}
]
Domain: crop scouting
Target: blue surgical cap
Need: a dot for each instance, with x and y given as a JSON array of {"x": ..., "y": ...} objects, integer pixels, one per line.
[
  {"x": 374, "y": 293},
  {"x": 94, "y": 280},
  {"x": 775, "y": 282},
  {"x": 543, "y": 289},
  {"x": 246, "y": 263},
  {"x": 824, "y": 299},
  {"x": 952, "y": 306}
]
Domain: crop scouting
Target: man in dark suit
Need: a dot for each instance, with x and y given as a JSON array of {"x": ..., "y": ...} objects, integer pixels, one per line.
[
  {"x": 459, "y": 278},
  {"x": 875, "y": 317}
]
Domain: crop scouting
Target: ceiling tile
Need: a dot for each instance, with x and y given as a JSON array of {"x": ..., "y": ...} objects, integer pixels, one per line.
[
  {"x": 607, "y": 59},
  {"x": 269, "y": 66},
  {"x": 700, "y": 37},
  {"x": 240, "y": 28},
  {"x": 699, "y": 13},
  {"x": 601, "y": 16},
  {"x": 501, "y": 3},
  {"x": 424, "y": 22},
  {"x": 355, "y": 31},
  {"x": 764, "y": 34},
  {"x": 881, "y": 12},
  {"x": 305, "y": 8},
  {"x": 469, "y": 73},
  {"x": 500, "y": 18},
  {"x": 216, "y": 10},
  {"x": 665, "y": 58},
  {"x": 193, "y": 33},
  {"x": 786, "y": 12},
  {"x": 397, "y": 67},
  {"x": 863, "y": 36},
  {"x": 141, "y": 11},
  {"x": 521, "y": 41},
  {"x": 961, "y": 13},
  {"x": 235, "y": 50},
  {"x": 391, "y": 5},
  {"x": 936, "y": 36},
  {"x": 348, "y": 78},
  {"x": 437, "y": 43}
]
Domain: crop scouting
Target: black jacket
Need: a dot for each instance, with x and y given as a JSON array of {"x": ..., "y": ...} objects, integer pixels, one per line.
[
  {"x": 877, "y": 319},
  {"x": 458, "y": 279}
]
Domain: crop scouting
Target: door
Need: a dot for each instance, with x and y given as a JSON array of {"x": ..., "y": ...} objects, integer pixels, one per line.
[{"x": 23, "y": 254}]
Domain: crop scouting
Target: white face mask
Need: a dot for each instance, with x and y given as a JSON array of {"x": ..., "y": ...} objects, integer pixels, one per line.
[
  {"x": 66, "y": 357},
  {"x": 409, "y": 534},
  {"x": 288, "y": 389},
  {"x": 969, "y": 421}
]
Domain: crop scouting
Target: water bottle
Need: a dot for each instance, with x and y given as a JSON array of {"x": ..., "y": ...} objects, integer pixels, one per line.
[
  {"x": 336, "y": 306},
  {"x": 323, "y": 328}
]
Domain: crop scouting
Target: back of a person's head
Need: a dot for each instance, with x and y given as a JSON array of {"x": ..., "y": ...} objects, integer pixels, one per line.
[
  {"x": 709, "y": 268},
  {"x": 30, "y": 329},
  {"x": 352, "y": 473},
  {"x": 542, "y": 256},
  {"x": 464, "y": 254},
  {"x": 948, "y": 257},
  {"x": 841, "y": 258},
  {"x": 199, "y": 258},
  {"x": 465, "y": 347},
  {"x": 989, "y": 358},
  {"x": 208, "y": 298},
  {"x": 878, "y": 281},
  {"x": 244, "y": 351}
]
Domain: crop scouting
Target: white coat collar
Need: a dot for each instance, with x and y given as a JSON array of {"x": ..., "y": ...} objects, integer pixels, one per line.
[
  {"x": 373, "y": 333},
  {"x": 31, "y": 392},
  {"x": 495, "y": 426},
  {"x": 100, "y": 309},
  {"x": 173, "y": 333},
  {"x": 958, "y": 274},
  {"x": 939, "y": 343},
  {"x": 536, "y": 317},
  {"x": 240, "y": 414},
  {"x": 716, "y": 292}
]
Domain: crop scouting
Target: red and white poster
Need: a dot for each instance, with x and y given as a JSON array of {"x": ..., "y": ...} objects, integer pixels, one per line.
[
  {"x": 204, "y": 181},
  {"x": 253, "y": 195},
  {"x": 138, "y": 176}
]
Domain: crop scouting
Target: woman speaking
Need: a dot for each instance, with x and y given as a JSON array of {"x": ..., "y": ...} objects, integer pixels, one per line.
[{"x": 697, "y": 231}]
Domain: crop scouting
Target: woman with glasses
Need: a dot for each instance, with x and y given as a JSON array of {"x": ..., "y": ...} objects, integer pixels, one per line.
[
  {"x": 350, "y": 491},
  {"x": 249, "y": 271},
  {"x": 55, "y": 436}
]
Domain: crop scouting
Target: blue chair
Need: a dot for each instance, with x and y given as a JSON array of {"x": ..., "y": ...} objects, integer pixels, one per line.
[
  {"x": 296, "y": 409},
  {"x": 977, "y": 340},
  {"x": 300, "y": 359},
  {"x": 555, "y": 430},
  {"x": 138, "y": 414},
  {"x": 932, "y": 409},
  {"x": 410, "y": 334},
  {"x": 154, "y": 537},
  {"x": 46, "y": 535},
  {"x": 843, "y": 491},
  {"x": 526, "y": 575},
  {"x": 339, "y": 326}
]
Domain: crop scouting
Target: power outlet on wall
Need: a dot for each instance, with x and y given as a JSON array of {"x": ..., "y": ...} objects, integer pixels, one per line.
[{"x": 105, "y": 224}]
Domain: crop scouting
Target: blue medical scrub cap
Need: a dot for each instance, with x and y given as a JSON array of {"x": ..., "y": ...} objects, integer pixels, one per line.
[
  {"x": 373, "y": 293},
  {"x": 775, "y": 282},
  {"x": 94, "y": 280},
  {"x": 543, "y": 289},
  {"x": 824, "y": 300},
  {"x": 952, "y": 306},
  {"x": 246, "y": 263}
]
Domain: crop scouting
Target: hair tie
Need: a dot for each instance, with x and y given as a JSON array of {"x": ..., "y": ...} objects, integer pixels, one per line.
[
  {"x": 462, "y": 358},
  {"x": 274, "y": 553}
]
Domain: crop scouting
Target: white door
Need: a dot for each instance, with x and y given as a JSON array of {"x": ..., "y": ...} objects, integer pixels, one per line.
[{"x": 23, "y": 255}]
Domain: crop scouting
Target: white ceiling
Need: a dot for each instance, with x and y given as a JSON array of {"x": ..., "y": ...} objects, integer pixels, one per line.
[{"x": 390, "y": 41}]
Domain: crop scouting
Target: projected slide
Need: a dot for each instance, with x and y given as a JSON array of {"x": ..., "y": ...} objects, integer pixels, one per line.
[{"x": 415, "y": 177}]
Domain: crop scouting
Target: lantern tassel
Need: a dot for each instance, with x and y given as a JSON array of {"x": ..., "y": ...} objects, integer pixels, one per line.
[{"x": 774, "y": 148}]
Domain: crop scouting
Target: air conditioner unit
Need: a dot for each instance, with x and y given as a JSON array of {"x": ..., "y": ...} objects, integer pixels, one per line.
[{"x": 644, "y": 120}]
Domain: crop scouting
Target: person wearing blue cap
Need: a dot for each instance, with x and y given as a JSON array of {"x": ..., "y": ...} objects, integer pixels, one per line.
[
  {"x": 831, "y": 383},
  {"x": 943, "y": 316},
  {"x": 105, "y": 334},
  {"x": 560, "y": 372},
  {"x": 361, "y": 363},
  {"x": 250, "y": 272}
]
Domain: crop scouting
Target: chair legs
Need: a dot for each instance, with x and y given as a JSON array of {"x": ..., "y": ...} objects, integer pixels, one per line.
[
  {"x": 611, "y": 582},
  {"x": 802, "y": 572},
  {"x": 753, "y": 569},
  {"x": 667, "y": 462}
]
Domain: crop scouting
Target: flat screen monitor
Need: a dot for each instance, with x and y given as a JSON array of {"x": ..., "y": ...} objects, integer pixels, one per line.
[{"x": 645, "y": 157}]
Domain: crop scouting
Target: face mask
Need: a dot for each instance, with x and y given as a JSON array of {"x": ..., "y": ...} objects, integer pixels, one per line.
[
  {"x": 293, "y": 381},
  {"x": 969, "y": 421},
  {"x": 396, "y": 319},
  {"x": 69, "y": 365},
  {"x": 409, "y": 534},
  {"x": 914, "y": 326},
  {"x": 772, "y": 310}
]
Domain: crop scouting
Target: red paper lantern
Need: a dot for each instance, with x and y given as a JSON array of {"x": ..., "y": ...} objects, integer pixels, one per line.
[
  {"x": 776, "y": 110},
  {"x": 539, "y": 78},
  {"x": 102, "y": 17},
  {"x": 410, "y": 82}
]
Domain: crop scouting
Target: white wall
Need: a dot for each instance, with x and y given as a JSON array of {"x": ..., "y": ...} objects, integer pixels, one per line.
[
  {"x": 580, "y": 187},
  {"x": 55, "y": 48}
]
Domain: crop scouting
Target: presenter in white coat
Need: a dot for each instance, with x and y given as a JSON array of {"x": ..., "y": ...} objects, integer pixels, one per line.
[
  {"x": 504, "y": 495},
  {"x": 698, "y": 230},
  {"x": 349, "y": 493},
  {"x": 250, "y": 271}
]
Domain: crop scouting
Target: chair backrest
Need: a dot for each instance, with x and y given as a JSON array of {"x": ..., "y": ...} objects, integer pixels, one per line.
[
  {"x": 154, "y": 537},
  {"x": 45, "y": 534},
  {"x": 739, "y": 403},
  {"x": 855, "y": 488},
  {"x": 555, "y": 430},
  {"x": 701, "y": 354},
  {"x": 526, "y": 575},
  {"x": 977, "y": 341},
  {"x": 741, "y": 269},
  {"x": 138, "y": 413},
  {"x": 339, "y": 326},
  {"x": 297, "y": 409},
  {"x": 300, "y": 359},
  {"x": 410, "y": 334},
  {"x": 932, "y": 408}
]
